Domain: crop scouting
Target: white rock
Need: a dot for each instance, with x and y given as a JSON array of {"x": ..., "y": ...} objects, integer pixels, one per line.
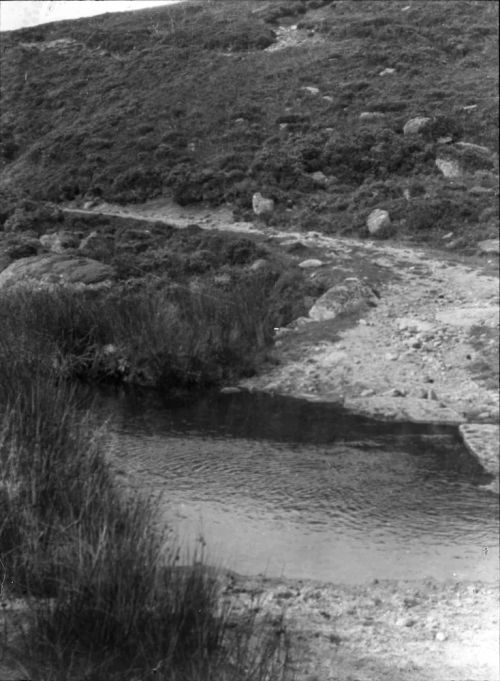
[
  {"x": 482, "y": 440},
  {"x": 258, "y": 265},
  {"x": 470, "y": 146},
  {"x": 441, "y": 636},
  {"x": 490, "y": 246},
  {"x": 310, "y": 263},
  {"x": 371, "y": 115},
  {"x": 449, "y": 167},
  {"x": 387, "y": 72},
  {"x": 415, "y": 125},
  {"x": 378, "y": 222},
  {"x": 311, "y": 89},
  {"x": 319, "y": 178},
  {"x": 261, "y": 205}
]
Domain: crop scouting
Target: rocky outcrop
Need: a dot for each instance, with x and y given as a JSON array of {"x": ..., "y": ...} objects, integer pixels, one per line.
[
  {"x": 483, "y": 442},
  {"x": 350, "y": 296},
  {"x": 49, "y": 270}
]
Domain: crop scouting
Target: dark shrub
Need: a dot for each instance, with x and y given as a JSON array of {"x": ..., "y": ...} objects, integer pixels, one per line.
[{"x": 33, "y": 216}]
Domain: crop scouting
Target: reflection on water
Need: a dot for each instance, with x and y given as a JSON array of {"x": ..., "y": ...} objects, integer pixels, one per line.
[{"x": 283, "y": 486}]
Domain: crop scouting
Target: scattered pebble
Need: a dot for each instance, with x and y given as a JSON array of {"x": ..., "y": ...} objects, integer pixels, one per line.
[{"x": 440, "y": 636}]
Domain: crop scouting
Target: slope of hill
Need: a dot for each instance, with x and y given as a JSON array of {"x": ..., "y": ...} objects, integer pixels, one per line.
[{"x": 304, "y": 101}]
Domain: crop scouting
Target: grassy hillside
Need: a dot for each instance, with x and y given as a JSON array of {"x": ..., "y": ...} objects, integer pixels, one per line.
[{"x": 196, "y": 100}]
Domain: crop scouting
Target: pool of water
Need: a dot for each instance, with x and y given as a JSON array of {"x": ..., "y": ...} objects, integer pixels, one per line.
[{"x": 306, "y": 490}]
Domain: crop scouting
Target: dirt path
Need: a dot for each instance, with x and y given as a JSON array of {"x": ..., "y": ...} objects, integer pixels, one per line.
[
  {"x": 397, "y": 631},
  {"x": 427, "y": 351}
]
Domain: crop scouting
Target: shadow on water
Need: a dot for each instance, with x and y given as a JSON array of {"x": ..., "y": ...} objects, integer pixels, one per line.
[
  {"x": 260, "y": 416},
  {"x": 282, "y": 485}
]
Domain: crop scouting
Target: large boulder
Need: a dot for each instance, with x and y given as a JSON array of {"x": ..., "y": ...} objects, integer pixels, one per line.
[
  {"x": 50, "y": 270},
  {"x": 464, "y": 157},
  {"x": 482, "y": 440},
  {"x": 416, "y": 125},
  {"x": 350, "y": 296},
  {"x": 379, "y": 223}
]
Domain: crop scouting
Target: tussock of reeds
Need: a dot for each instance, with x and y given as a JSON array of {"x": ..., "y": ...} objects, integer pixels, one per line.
[{"x": 107, "y": 599}]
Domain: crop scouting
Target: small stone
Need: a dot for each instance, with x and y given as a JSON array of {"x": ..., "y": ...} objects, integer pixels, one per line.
[
  {"x": 444, "y": 140},
  {"x": 431, "y": 395},
  {"x": 369, "y": 392},
  {"x": 378, "y": 223},
  {"x": 328, "y": 98},
  {"x": 310, "y": 263},
  {"x": 259, "y": 264},
  {"x": 481, "y": 191},
  {"x": 470, "y": 146},
  {"x": 449, "y": 167},
  {"x": 441, "y": 636},
  {"x": 319, "y": 178},
  {"x": 261, "y": 205},
  {"x": 392, "y": 357},
  {"x": 416, "y": 344},
  {"x": 311, "y": 89},
  {"x": 387, "y": 72},
  {"x": 371, "y": 116},
  {"x": 416, "y": 125}
]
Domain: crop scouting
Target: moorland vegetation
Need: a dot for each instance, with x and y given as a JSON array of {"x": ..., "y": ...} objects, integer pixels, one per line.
[{"x": 199, "y": 102}]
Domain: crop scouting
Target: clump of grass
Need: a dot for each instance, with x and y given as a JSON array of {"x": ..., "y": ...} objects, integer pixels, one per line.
[
  {"x": 162, "y": 336},
  {"x": 107, "y": 597}
]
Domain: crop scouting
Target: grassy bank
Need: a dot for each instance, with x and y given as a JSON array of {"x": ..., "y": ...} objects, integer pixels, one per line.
[
  {"x": 106, "y": 597},
  {"x": 186, "y": 100},
  {"x": 162, "y": 337}
]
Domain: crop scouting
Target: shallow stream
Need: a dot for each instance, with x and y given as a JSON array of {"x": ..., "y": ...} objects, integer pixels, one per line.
[{"x": 304, "y": 490}]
